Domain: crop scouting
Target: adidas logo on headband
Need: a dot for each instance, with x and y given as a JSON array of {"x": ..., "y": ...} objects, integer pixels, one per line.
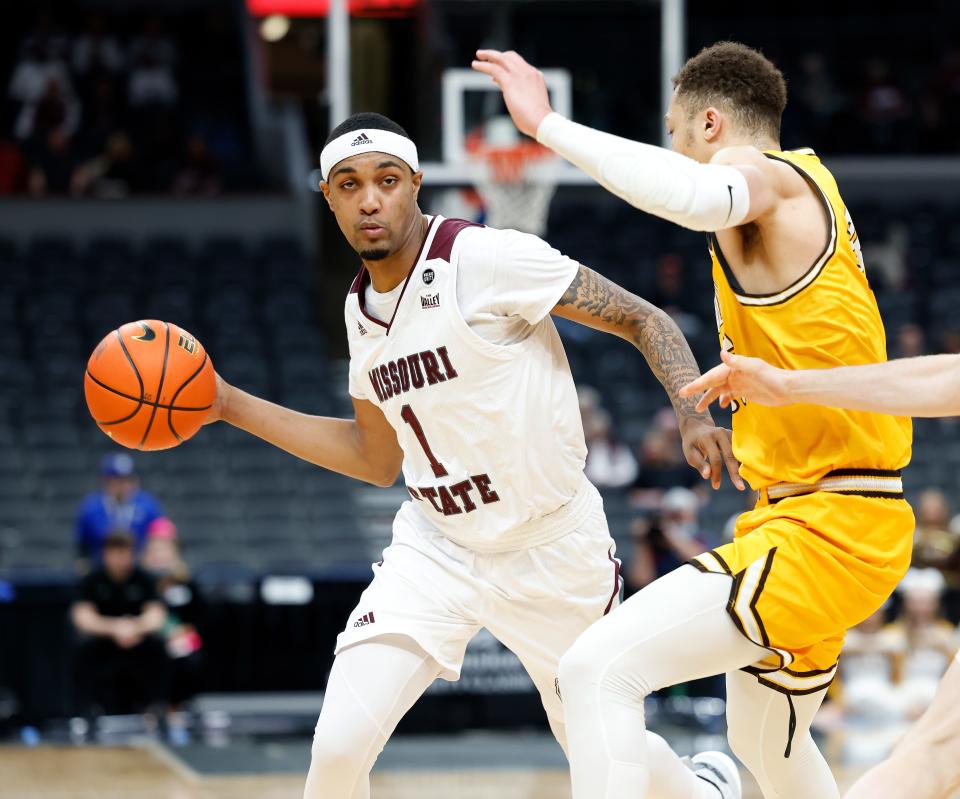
[{"x": 363, "y": 138}]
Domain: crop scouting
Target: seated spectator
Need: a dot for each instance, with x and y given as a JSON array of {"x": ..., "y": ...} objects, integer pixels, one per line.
[
  {"x": 55, "y": 109},
  {"x": 672, "y": 293},
  {"x": 199, "y": 172},
  {"x": 96, "y": 50},
  {"x": 864, "y": 704},
  {"x": 120, "y": 504},
  {"x": 32, "y": 75},
  {"x": 162, "y": 560},
  {"x": 666, "y": 541},
  {"x": 934, "y": 545},
  {"x": 588, "y": 399},
  {"x": 911, "y": 341},
  {"x": 610, "y": 464},
  {"x": 662, "y": 466},
  {"x": 13, "y": 168},
  {"x": 113, "y": 174},
  {"x": 52, "y": 164},
  {"x": 151, "y": 84},
  {"x": 121, "y": 665},
  {"x": 927, "y": 641},
  {"x": 155, "y": 43},
  {"x": 103, "y": 115},
  {"x": 885, "y": 108}
]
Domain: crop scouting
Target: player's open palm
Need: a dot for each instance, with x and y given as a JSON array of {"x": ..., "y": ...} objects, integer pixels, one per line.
[
  {"x": 523, "y": 86},
  {"x": 740, "y": 377}
]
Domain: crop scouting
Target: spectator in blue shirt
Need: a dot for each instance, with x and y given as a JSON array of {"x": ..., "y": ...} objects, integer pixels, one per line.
[{"x": 120, "y": 505}]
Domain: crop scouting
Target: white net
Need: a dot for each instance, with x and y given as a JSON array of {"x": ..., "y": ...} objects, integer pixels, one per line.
[
  {"x": 511, "y": 197},
  {"x": 521, "y": 204}
]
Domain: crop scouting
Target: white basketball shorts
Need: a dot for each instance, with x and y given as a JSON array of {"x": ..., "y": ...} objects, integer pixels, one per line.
[{"x": 535, "y": 601}]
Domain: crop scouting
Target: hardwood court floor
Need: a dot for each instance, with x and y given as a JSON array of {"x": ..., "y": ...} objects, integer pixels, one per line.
[{"x": 51, "y": 772}]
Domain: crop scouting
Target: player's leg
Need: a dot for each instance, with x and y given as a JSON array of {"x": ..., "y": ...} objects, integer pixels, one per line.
[
  {"x": 579, "y": 584},
  {"x": 926, "y": 763},
  {"x": 411, "y": 625},
  {"x": 372, "y": 685},
  {"x": 758, "y": 728},
  {"x": 675, "y": 630}
]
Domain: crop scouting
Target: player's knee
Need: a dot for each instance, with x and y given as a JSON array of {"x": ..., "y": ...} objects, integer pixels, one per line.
[
  {"x": 585, "y": 668},
  {"x": 579, "y": 668},
  {"x": 335, "y": 759}
]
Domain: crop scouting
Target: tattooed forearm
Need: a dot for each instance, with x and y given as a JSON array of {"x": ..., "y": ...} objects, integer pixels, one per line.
[{"x": 596, "y": 302}]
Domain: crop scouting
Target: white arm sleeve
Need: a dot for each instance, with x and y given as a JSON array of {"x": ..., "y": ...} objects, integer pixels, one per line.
[{"x": 698, "y": 196}]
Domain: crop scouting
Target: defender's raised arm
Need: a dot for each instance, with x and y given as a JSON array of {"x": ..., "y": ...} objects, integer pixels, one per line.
[{"x": 701, "y": 196}]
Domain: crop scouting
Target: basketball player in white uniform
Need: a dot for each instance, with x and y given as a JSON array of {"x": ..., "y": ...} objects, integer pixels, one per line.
[
  {"x": 458, "y": 378},
  {"x": 925, "y": 764}
]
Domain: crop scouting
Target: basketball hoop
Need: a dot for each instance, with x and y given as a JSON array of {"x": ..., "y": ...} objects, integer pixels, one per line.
[{"x": 512, "y": 199}]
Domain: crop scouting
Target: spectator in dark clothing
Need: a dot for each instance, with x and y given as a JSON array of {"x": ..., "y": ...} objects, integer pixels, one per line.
[
  {"x": 185, "y": 609},
  {"x": 665, "y": 542},
  {"x": 151, "y": 83},
  {"x": 113, "y": 174},
  {"x": 37, "y": 78},
  {"x": 103, "y": 115},
  {"x": 52, "y": 163},
  {"x": 96, "y": 51},
  {"x": 55, "y": 110},
  {"x": 121, "y": 665},
  {"x": 120, "y": 504},
  {"x": 911, "y": 341},
  {"x": 662, "y": 467},
  {"x": 199, "y": 171},
  {"x": 13, "y": 169}
]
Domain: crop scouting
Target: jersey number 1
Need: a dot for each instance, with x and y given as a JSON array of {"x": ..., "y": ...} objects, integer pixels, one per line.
[{"x": 407, "y": 414}]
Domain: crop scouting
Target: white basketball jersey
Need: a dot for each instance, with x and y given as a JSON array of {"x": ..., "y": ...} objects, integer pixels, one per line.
[{"x": 491, "y": 435}]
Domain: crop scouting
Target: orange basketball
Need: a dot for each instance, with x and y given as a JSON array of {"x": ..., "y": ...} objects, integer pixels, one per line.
[{"x": 149, "y": 385}]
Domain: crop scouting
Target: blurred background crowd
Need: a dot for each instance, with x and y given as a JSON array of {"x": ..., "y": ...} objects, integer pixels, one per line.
[{"x": 183, "y": 565}]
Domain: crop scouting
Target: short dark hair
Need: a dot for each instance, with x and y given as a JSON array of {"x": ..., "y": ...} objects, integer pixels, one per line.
[
  {"x": 365, "y": 119},
  {"x": 742, "y": 80},
  {"x": 119, "y": 538}
]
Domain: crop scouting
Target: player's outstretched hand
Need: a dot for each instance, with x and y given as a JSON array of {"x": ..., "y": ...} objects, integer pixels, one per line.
[
  {"x": 709, "y": 449},
  {"x": 751, "y": 379},
  {"x": 523, "y": 86},
  {"x": 215, "y": 413}
]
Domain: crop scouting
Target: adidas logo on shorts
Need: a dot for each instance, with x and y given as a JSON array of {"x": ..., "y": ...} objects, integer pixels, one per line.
[
  {"x": 364, "y": 620},
  {"x": 363, "y": 138}
]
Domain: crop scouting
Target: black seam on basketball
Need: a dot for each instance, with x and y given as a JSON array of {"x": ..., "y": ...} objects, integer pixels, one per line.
[
  {"x": 126, "y": 418},
  {"x": 183, "y": 385},
  {"x": 132, "y": 364},
  {"x": 136, "y": 372},
  {"x": 145, "y": 402},
  {"x": 163, "y": 373}
]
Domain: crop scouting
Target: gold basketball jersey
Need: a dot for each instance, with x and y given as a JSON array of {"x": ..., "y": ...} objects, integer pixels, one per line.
[{"x": 827, "y": 318}]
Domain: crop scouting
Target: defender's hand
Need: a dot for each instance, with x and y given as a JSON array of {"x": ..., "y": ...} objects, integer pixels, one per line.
[
  {"x": 523, "y": 86},
  {"x": 708, "y": 449},
  {"x": 739, "y": 376}
]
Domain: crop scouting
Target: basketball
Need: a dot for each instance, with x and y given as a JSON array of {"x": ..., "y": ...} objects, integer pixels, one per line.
[{"x": 149, "y": 385}]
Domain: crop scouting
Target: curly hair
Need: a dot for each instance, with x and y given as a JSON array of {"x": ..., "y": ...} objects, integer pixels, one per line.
[{"x": 741, "y": 80}]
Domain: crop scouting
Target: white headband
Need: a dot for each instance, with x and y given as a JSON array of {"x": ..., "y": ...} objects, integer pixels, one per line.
[{"x": 369, "y": 140}]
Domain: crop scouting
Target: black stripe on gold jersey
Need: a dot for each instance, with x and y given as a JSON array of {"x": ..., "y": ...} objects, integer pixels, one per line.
[{"x": 808, "y": 277}]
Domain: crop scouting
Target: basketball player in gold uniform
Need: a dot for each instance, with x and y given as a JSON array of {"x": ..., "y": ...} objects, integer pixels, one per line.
[
  {"x": 926, "y": 762},
  {"x": 830, "y": 536}
]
